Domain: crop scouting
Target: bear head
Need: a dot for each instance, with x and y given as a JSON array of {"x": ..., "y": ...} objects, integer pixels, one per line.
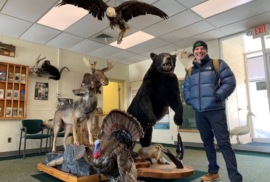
[{"x": 164, "y": 62}]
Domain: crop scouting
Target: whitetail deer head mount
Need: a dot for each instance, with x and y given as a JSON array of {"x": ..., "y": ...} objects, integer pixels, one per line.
[{"x": 35, "y": 70}]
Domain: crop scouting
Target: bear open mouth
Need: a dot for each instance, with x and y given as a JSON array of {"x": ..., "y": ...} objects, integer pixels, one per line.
[{"x": 167, "y": 66}]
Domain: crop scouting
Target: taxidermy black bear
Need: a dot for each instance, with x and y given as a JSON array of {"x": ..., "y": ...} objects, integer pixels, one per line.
[
  {"x": 46, "y": 66},
  {"x": 158, "y": 91}
]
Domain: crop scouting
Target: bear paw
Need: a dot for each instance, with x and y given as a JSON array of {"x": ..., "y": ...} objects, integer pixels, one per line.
[{"x": 178, "y": 119}]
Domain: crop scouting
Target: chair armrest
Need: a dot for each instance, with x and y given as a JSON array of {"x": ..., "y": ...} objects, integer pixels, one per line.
[{"x": 23, "y": 129}]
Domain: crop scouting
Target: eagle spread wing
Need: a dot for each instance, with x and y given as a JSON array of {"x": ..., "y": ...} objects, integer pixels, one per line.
[
  {"x": 135, "y": 8},
  {"x": 95, "y": 7}
]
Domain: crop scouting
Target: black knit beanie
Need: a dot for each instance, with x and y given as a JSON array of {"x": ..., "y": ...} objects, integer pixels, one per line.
[{"x": 200, "y": 43}]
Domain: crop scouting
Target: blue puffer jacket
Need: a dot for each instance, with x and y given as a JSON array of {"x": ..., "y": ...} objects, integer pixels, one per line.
[{"x": 201, "y": 87}]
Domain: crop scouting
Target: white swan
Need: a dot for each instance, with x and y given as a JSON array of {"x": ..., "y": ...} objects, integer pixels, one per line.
[{"x": 242, "y": 130}]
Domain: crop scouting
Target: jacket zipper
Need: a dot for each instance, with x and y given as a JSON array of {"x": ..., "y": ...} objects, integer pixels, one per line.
[{"x": 199, "y": 88}]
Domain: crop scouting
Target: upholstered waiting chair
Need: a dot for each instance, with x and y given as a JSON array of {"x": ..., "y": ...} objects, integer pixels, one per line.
[{"x": 32, "y": 127}]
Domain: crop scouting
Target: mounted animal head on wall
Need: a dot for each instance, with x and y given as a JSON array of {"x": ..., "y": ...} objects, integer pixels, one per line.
[
  {"x": 186, "y": 58},
  {"x": 97, "y": 76},
  {"x": 35, "y": 70}
]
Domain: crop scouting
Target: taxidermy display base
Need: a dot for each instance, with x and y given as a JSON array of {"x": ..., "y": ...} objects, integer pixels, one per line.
[
  {"x": 67, "y": 176},
  {"x": 161, "y": 171},
  {"x": 144, "y": 168}
]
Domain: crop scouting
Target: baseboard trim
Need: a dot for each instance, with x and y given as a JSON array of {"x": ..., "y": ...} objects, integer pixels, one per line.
[{"x": 27, "y": 151}]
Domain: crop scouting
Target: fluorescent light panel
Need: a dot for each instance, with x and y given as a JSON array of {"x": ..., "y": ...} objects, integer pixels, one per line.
[
  {"x": 62, "y": 17},
  {"x": 133, "y": 39},
  {"x": 212, "y": 7}
]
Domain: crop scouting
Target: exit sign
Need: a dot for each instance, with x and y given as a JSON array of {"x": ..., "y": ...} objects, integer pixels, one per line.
[{"x": 260, "y": 31}]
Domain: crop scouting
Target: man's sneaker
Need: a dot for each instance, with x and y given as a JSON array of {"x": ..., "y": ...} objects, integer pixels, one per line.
[{"x": 209, "y": 177}]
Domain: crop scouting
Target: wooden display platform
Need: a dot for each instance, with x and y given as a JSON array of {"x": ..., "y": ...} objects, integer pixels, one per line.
[
  {"x": 144, "y": 168},
  {"x": 68, "y": 177}
]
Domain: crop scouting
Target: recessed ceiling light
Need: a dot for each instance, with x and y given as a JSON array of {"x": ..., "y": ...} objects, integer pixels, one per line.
[
  {"x": 133, "y": 40},
  {"x": 212, "y": 7},
  {"x": 62, "y": 17}
]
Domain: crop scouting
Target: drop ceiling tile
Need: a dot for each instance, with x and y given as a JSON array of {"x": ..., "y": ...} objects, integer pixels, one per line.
[
  {"x": 39, "y": 34},
  {"x": 134, "y": 59},
  {"x": 120, "y": 56},
  {"x": 143, "y": 21},
  {"x": 187, "y": 42},
  {"x": 173, "y": 23},
  {"x": 214, "y": 34},
  {"x": 65, "y": 41},
  {"x": 85, "y": 46},
  {"x": 165, "y": 49},
  {"x": 118, "y": 2},
  {"x": 191, "y": 3},
  {"x": 88, "y": 26},
  {"x": 189, "y": 31},
  {"x": 2, "y": 2},
  {"x": 12, "y": 27},
  {"x": 148, "y": 45},
  {"x": 30, "y": 10},
  {"x": 170, "y": 8},
  {"x": 246, "y": 24},
  {"x": 104, "y": 51},
  {"x": 113, "y": 32},
  {"x": 240, "y": 13}
]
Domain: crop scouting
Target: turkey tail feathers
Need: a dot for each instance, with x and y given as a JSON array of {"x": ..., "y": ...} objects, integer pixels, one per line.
[{"x": 117, "y": 119}]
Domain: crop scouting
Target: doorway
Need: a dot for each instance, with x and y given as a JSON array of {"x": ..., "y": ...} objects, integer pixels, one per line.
[
  {"x": 111, "y": 97},
  {"x": 249, "y": 104}
]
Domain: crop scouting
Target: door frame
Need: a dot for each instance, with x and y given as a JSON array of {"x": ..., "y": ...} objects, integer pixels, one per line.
[{"x": 266, "y": 59}]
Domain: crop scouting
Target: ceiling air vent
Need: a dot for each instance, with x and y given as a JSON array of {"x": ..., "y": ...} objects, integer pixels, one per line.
[{"x": 103, "y": 37}]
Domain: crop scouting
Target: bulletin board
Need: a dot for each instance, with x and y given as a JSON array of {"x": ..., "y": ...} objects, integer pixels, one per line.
[{"x": 189, "y": 122}]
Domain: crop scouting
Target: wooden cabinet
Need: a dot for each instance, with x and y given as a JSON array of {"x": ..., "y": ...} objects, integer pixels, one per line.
[{"x": 13, "y": 90}]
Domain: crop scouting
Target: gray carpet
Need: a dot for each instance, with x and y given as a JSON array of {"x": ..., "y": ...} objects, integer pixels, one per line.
[{"x": 253, "y": 166}]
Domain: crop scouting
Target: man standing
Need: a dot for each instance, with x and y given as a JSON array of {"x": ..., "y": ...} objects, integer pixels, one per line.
[{"x": 207, "y": 97}]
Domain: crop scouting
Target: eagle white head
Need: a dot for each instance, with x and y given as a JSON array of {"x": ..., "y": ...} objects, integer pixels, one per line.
[{"x": 110, "y": 11}]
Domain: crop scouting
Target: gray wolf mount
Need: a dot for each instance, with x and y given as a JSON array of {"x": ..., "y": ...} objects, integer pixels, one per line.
[
  {"x": 47, "y": 67},
  {"x": 113, "y": 158},
  {"x": 97, "y": 76},
  {"x": 80, "y": 111},
  {"x": 118, "y": 16},
  {"x": 158, "y": 91}
]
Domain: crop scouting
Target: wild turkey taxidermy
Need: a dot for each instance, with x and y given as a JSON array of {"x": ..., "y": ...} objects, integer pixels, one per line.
[
  {"x": 118, "y": 16},
  {"x": 113, "y": 159}
]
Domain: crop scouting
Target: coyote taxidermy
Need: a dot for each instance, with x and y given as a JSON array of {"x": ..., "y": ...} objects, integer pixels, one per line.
[{"x": 80, "y": 111}]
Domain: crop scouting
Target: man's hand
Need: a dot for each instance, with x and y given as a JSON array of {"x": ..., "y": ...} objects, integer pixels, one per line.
[{"x": 178, "y": 119}]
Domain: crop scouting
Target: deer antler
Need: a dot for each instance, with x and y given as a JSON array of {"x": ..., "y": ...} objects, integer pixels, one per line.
[
  {"x": 110, "y": 65},
  {"x": 88, "y": 63},
  {"x": 38, "y": 60}
]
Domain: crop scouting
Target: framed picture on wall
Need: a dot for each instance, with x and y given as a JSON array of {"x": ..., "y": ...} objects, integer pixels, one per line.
[
  {"x": 41, "y": 91},
  {"x": 189, "y": 122}
]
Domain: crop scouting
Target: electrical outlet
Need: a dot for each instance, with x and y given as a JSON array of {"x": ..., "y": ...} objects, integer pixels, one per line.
[{"x": 9, "y": 139}]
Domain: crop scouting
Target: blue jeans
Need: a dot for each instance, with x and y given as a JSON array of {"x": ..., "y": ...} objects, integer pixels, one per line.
[{"x": 212, "y": 123}]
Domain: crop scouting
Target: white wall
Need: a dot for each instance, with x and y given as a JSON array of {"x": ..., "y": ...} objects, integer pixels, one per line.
[
  {"x": 137, "y": 72},
  {"x": 238, "y": 99},
  {"x": 26, "y": 54}
]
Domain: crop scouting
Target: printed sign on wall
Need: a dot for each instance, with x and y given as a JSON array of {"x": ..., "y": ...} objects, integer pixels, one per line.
[{"x": 41, "y": 91}]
